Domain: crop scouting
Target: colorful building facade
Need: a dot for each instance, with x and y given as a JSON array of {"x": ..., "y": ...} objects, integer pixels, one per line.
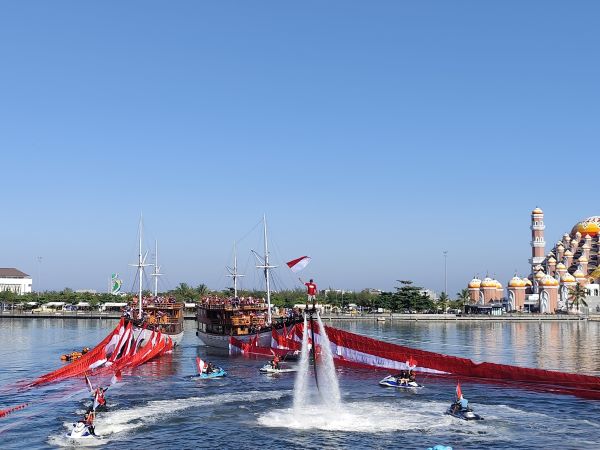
[{"x": 572, "y": 261}]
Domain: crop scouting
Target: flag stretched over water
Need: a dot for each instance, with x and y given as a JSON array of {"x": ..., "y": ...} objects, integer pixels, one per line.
[{"x": 296, "y": 265}]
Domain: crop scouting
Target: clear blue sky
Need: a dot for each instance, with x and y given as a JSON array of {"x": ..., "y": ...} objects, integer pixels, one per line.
[{"x": 374, "y": 135}]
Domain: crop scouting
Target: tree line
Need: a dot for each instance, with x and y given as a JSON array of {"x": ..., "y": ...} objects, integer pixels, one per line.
[{"x": 405, "y": 297}]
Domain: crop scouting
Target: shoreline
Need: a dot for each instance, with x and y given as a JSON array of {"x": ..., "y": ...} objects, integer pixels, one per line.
[{"x": 382, "y": 318}]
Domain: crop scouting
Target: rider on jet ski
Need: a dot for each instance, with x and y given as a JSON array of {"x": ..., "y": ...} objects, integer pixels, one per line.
[
  {"x": 403, "y": 377},
  {"x": 275, "y": 362},
  {"x": 210, "y": 368},
  {"x": 88, "y": 421},
  {"x": 461, "y": 404}
]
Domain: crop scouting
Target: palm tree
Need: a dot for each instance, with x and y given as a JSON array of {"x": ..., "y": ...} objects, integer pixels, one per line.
[
  {"x": 202, "y": 290},
  {"x": 463, "y": 296},
  {"x": 577, "y": 295},
  {"x": 443, "y": 301}
]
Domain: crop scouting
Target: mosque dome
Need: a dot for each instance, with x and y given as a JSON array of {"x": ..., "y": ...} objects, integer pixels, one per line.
[
  {"x": 475, "y": 283},
  {"x": 560, "y": 244},
  {"x": 498, "y": 284},
  {"x": 568, "y": 253},
  {"x": 527, "y": 281},
  {"x": 568, "y": 278},
  {"x": 516, "y": 282},
  {"x": 488, "y": 282},
  {"x": 537, "y": 211},
  {"x": 590, "y": 226},
  {"x": 552, "y": 259},
  {"x": 549, "y": 281},
  {"x": 540, "y": 275},
  {"x": 561, "y": 266},
  {"x": 583, "y": 258},
  {"x": 578, "y": 274}
]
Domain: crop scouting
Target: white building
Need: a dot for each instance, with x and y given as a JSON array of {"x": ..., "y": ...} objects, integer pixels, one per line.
[
  {"x": 14, "y": 280},
  {"x": 432, "y": 294}
]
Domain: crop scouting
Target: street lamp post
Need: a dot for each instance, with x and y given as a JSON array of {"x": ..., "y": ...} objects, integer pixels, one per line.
[
  {"x": 39, "y": 260},
  {"x": 446, "y": 272}
]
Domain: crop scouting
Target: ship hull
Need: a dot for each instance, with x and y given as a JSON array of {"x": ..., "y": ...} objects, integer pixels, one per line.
[{"x": 222, "y": 340}]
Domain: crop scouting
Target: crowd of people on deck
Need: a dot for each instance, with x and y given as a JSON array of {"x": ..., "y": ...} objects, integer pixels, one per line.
[{"x": 234, "y": 302}]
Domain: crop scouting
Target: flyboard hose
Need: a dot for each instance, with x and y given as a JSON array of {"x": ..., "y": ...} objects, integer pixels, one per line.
[{"x": 312, "y": 328}]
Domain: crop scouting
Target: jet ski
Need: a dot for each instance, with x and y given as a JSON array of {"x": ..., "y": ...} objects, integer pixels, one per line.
[
  {"x": 268, "y": 368},
  {"x": 218, "y": 372},
  {"x": 81, "y": 431},
  {"x": 392, "y": 381},
  {"x": 462, "y": 413}
]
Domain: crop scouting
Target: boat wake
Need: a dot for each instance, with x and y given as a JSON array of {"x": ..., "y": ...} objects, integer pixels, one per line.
[
  {"x": 114, "y": 425},
  {"x": 362, "y": 417}
]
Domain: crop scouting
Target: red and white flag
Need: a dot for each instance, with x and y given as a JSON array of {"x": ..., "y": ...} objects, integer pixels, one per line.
[
  {"x": 89, "y": 384},
  {"x": 201, "y": 365},
  {"x": 458, "y": 391},
  {"x": 296, "y": 265}
]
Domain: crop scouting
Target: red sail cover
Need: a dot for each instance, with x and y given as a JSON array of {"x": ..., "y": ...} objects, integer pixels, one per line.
[{"x": 355, "y": 349}]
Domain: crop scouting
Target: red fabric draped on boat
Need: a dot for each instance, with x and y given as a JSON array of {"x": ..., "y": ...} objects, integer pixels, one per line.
[{"x": 119, "y": 350}]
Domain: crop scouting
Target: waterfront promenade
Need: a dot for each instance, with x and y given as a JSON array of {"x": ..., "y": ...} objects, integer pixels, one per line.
[{"x": 362, "y": 317}]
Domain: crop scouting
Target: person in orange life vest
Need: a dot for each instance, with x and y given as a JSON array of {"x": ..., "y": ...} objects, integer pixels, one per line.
[
  {"x": 88, "y": 420},
  {"x": 311, "y": 291}
]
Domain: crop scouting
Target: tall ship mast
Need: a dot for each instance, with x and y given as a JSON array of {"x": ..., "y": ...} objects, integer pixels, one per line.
[
  {"x": 233, "y": 273},
  {"x": 154, "y": 313},
  {"x": 266, "y": 268},
  {"x": 244, "y": 318}
]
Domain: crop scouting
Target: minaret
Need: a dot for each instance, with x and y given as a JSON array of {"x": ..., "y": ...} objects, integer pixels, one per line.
[
  {"x": 587, "y": 246},
  {"x": 560, "y": 251},
  {"x": 474, "y": 289},
  {"x": 516, "y": 294},
  {"x": 548, "y": 295},
  {"x": 551, "y": 263},
  {"x": 538, "y": 245}
]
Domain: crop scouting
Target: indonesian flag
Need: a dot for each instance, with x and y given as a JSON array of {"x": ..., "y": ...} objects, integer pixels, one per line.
[
  {"x": 201, "y": 365},
  {"x": 89, "y": 384},
  {"x": 458, "y": 391},
  {"x": 296, "y": 265}
]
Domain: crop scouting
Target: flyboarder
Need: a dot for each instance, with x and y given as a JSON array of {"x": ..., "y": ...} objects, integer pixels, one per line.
[{"x": 311, "y": 292}]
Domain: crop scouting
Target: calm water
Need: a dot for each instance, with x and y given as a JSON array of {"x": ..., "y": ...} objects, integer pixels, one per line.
[{"x": 159, "y": 406}]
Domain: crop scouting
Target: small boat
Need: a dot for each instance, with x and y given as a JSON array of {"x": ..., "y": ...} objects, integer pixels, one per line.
[
  {"x": 81, "y": 431},
  {"x": 268, "y": 368},
  {"x": 217, "y": 373},
  {"x": 460, "y": 413},
  {"x": 392, "y": 381},
  {"x": 75, "y": 355}
]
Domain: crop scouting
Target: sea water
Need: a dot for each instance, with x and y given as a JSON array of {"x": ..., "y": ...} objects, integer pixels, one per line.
[{"x": 161, "y": 404}]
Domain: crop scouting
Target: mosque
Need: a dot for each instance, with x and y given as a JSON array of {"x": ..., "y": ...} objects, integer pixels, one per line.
[{"x": 574, "y": 260}]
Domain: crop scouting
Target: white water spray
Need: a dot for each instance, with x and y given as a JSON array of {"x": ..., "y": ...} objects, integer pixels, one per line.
[
  {"x": 328, "y": 387},
  {"x": 328, "y": 382},
  {"x": 301, "y": 382}
]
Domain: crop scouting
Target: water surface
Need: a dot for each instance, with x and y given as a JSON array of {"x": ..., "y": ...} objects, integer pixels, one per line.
[{"x": 159, "y": 405}]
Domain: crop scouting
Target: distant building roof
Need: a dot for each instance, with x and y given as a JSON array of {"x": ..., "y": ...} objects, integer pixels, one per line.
[{"x": 11, "y": 272}]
